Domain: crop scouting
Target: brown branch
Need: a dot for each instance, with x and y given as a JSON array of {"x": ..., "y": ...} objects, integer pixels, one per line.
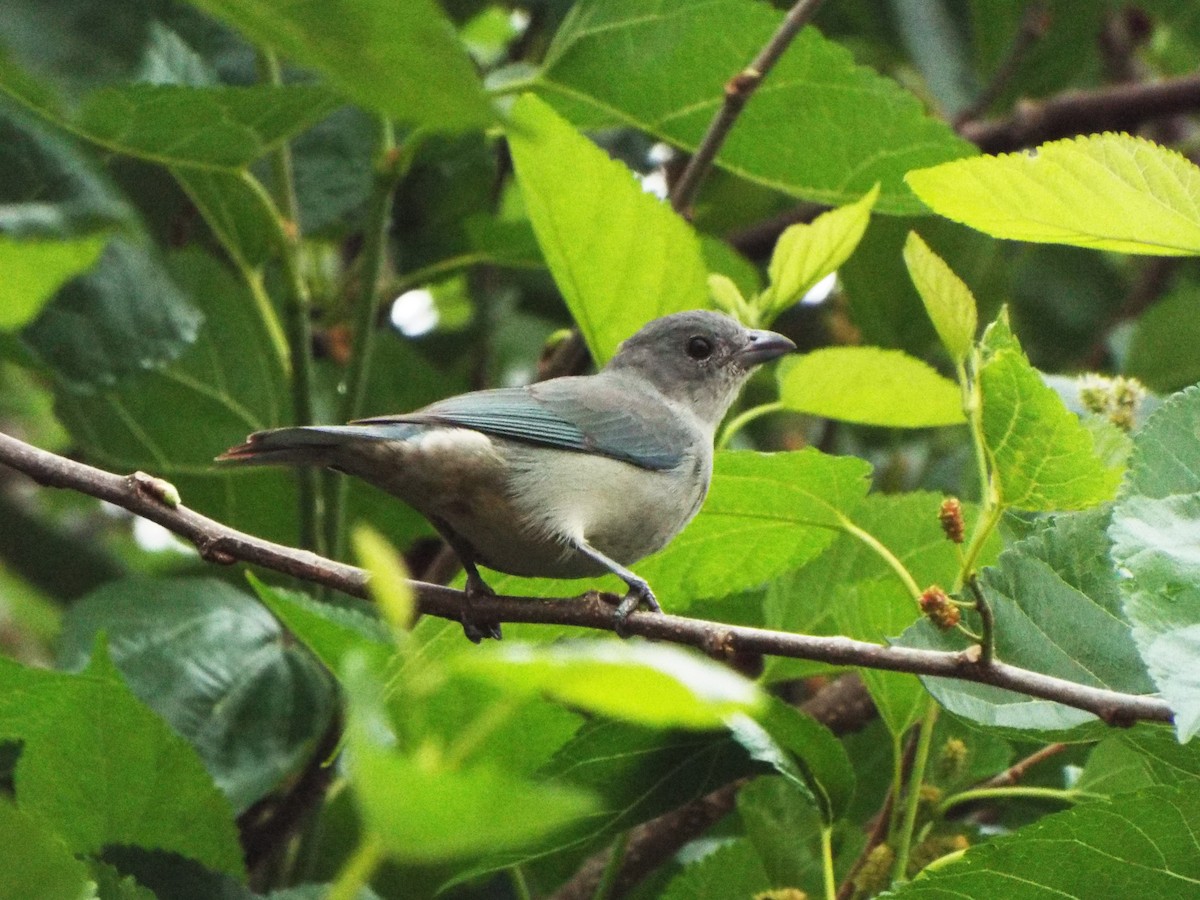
[
  {"x": 1035, "y": 22},
  {"x": 143, "y": 495},
  {"x": 1121, "y": 107},
  {"x": 1017, "y": 770},
  {"x": 738, "y": 90}
]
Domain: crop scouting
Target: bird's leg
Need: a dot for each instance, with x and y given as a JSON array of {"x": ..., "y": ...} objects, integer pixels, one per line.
[
  {"x": 475, "y": 630},
  {"x": 639, "y": 593}
]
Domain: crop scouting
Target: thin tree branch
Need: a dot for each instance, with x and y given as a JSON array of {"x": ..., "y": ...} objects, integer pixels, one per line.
[
  {"x": 144, "y": 495},
  {"x": 1017, "y": 770},
  {"x": 1035, "y": 22},
  {"x": 1121, "y": 107},
  {"x": 738, "y": 90}
]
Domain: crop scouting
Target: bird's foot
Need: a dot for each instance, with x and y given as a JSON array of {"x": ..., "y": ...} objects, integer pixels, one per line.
[
  {"x": 474, "y": 628},
  {"x": 639, "y": 595}
]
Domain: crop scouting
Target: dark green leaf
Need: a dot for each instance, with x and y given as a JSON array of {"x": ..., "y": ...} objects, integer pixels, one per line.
[
  {"x": 96, "y": 765},
  {"x": 1153, "y": 532},
  {"x": 124, "y": 317},
  {"x": 821, "y": 127},
  {"x": 329, "y": 631},
  {"x": 784, "y": 831},
  {"x": 1142, "y": 844},
  {"x": 731, "y": 870},
  {"x": 1140, "y": 757},
  {"x": 403, "y": 60},
  {"x": 218, "y": 668},
  {"x": 235, "y": 208},
  {"x": 1057, "y": 607}
]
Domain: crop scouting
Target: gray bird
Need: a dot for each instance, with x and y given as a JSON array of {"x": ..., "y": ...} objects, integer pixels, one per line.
[{"x": 568, "y": 478}]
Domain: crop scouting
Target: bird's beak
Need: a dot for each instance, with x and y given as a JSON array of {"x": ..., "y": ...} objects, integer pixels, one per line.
[{"x": 763, "y": 346}]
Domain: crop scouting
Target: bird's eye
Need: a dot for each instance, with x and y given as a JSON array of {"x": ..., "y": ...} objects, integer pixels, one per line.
[{"x": 699, "y": 347}]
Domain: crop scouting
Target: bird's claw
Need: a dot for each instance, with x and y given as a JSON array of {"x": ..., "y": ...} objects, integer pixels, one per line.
[
  {"x": 639, "y": 594},
  {"x": 474, "y": 629}
]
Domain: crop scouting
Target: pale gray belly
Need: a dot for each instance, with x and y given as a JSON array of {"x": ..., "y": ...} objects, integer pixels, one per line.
[{"x": 520, "y": 506}]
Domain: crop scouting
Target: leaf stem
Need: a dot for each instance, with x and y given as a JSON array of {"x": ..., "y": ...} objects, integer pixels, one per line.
[
  {"x": 298, "y": 312},
  {"x": 884, "y": 553},
  {"x": 744, "y": 418},
  {"x": 912, "y": 799},
  {"x": 1004, "y": 793},
  {"x": 827, "y": 862},
  {"x": 987, "y": 622},
  {"x": 358, "y": 869}
]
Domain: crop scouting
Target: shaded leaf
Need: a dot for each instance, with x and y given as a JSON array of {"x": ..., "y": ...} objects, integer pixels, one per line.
[
  {"x": 217, "y": 667},
  {"x": 124, "y": 317},
  {"x": 1140, "y": 757},
  {"x": 870, "y": 386},
  {"x": 403, "y": 60},
  {"x": 1103, "y": 191},
  {"x": 620, "y": 256},
  {"x": 784, "y": 831},
  {"x": 731, "y": 870},
  {"x": 821, "y": 127}
]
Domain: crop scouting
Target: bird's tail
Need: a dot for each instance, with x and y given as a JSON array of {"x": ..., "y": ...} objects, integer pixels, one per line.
[{"x": 316, "y": 445}]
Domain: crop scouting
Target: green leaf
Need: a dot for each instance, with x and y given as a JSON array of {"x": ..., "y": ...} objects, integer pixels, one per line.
[
  {"x": 403, "y": 60},
  {"x": 620, "y": 256},
  {"x": 230, "y": 382},
  {"x": 1106, "y": 192},
  {"x": 1141, "y": 845},
  {"x": 174, "y": 125},
  {"x": 1161, "y": 350},
  {"x": 1138, "y": 758},
  {"x": 96, "y": 765},
  {"x": 1056, "y": 602},
  {"x": 732, "y": 869},
  {"x": 879, "y": 611},
  {"x": 329, "y": 631},
  {"x": 1042, "y": 456},
  {"x": 787, "y": 506},
  {"x": 807, "y": 252},
  {"x": 870, "y": 386},
  {"x": 125, "y": 316},
  {"x": 39, "y": 864},
  {"x": 803, "y": 751},
  {"x": 821, "y": 127},
  {"x": 235, "y": 208},
  {"x": 388, "y": 586},
  {"x": 34, "y": 270},
  {"x": 417, "y": 805},
  {"x": 645, "y": 684},
  {"x": 949, "y": 302},
  {"x": 217, "y": 667},
  {"x": 1153, "y": 532},
  {"x": 638, "y": 773},
  {"x": 784, "y": 832}
]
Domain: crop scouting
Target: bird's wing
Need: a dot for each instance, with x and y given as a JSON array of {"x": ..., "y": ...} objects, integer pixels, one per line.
[{"x": 578, "y": 414}]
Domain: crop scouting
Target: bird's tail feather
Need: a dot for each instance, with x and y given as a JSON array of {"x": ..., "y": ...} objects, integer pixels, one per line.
[{"x": 315, "y": 445}]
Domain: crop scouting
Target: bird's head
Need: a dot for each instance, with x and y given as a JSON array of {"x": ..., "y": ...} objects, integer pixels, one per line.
[{"x": 699, "y": 358}]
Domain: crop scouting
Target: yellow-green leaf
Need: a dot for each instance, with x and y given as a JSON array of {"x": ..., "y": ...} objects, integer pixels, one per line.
[
  {"x": 31, "y": 271},
  {"x": 806, "y": 253},
  {"x": 948, "y": 301},
  {"x": 1106, "y": 192},
  {"x": 620, "y": 256},
  {"x": 389, "y": 585},
  {"x": 870, "y": 386}
]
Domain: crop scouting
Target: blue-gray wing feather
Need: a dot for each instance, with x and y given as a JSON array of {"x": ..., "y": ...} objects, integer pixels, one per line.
[{"x": 586, "y": 415}]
